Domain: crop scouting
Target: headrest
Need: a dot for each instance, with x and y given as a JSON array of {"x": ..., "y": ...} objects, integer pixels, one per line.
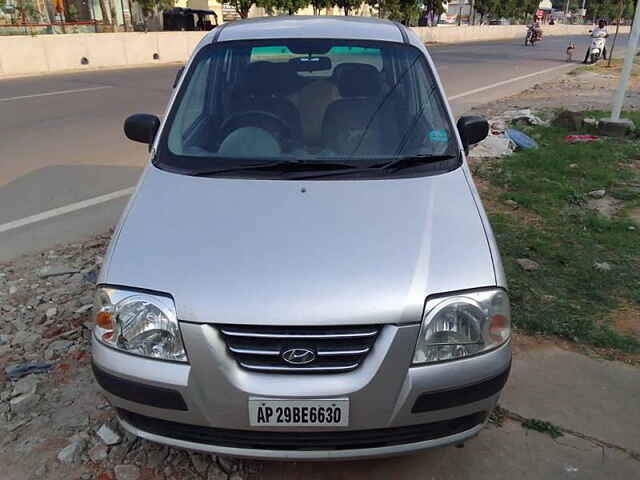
[{"x": 358, "y": 80}]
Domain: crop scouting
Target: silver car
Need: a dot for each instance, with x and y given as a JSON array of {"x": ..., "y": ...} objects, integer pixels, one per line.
[{"x": 305, "y": 270}]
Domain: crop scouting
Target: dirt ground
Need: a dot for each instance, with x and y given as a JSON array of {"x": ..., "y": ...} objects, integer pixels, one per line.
[{"x": 586, "y": 88}]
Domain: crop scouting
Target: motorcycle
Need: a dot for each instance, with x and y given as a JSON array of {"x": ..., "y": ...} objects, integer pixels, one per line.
[
  {"x": 598, "y": 42},
  {"x": 533, "y": 35}
]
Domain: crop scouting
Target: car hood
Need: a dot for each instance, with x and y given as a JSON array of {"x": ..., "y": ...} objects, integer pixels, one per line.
[{"x": 300, "y": 252}]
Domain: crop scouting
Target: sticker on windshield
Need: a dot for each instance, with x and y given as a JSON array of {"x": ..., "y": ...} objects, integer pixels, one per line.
[{"x": 438, "y": 136}]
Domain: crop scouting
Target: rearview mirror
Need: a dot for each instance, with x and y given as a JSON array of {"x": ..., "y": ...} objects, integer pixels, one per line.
[
  {"x": 311, "y": 64},
  {"x": 472, "y": 130},
  {"x": 141, "y": 127}
]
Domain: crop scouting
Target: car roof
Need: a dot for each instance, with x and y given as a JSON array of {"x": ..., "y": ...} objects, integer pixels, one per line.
[{"x": 294, "y": 26}]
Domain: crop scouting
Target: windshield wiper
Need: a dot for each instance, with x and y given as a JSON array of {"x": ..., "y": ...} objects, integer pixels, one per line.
[
  {"x": 281, "y": 165},
  {"x": 411, "y": 160},
  {"x": 393, "y": 165}
]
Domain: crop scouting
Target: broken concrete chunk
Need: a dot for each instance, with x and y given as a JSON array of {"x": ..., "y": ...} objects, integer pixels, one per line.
[
  {"x": 569, "y": 119},
  {"x": 127, "y": 472},
  {"x": 72, "y": 452},
  {"x": 602, "y": 266},
  {"x": 24, "y": 403},
  {"x": 26, "y": 385},
  {"x": 528, "y": 265},
  {"x": 98, "y": 453},
  {"x": 108, "y": 436},
  {"x": 55, "y": 270},
  {"x": 57, "y": 348}
]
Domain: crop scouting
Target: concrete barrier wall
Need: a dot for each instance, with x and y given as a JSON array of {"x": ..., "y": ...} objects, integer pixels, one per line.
[
  {"x": 496, "y": 32},
  {"x": 21, "y": 55}
]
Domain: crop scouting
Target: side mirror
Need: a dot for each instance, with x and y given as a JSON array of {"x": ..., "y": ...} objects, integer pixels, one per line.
[
  {"x": 472, "y": 130},
  {"x": 141, "y": 127},
  {"x": 178, "y": 75}
]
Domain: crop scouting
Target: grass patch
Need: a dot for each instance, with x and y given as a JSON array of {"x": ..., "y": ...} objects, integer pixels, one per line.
[
  {"x": 568, "y": 296},
  {"x": 616, "y": 65},
  {"x": 543, "y": 427},
  {"x": 498, "y": 416}
]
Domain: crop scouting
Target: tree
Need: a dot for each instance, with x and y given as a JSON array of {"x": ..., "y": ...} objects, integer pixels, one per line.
[
  {"x": 629, "y": 9},
  {"x": 289, "y": 6},
  {"x": 403, "y": 11},
  {"x": 149, "y": 7},
  {"x": 527, "y": 8},
  {"x": 433, "y": 9},
  {"x": 609, "y": 9},
  {"x": 348, "y": 5},
  {"x": 105, "y": 12},
  {"x": 26, "y": 10},
  {"x": 242, "y": 7},
  {"x": 319, "y": 5},
  {"x": 487, "y": 8},
  {"x": 407, "y": 12},
  {"x": 516, "y": 9}
]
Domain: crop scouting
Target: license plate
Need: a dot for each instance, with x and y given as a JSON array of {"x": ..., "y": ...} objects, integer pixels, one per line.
[{"x": 310, "y": 413}]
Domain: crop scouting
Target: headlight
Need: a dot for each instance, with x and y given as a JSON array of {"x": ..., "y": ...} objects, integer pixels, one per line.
[
  {"x": 138, "y": 323},
  {"x": 463, "y": 325}
]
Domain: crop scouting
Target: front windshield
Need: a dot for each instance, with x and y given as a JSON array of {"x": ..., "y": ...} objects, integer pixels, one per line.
[{"x": 309, "y": 101}]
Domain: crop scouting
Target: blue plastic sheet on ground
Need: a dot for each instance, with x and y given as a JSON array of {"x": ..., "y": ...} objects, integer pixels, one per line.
[{"x": 522, "y": 140}]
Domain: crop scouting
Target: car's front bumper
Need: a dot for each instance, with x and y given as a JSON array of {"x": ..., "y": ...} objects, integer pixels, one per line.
[
  {"x": 394, "y": 409},
  {"x": 303, "y": 450}
]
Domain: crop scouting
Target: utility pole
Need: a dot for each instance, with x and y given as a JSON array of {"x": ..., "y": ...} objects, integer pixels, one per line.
[{"x": 615, "y": 125}]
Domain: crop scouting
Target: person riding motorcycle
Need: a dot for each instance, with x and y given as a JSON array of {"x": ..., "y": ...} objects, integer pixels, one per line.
[
  {"x": 536, "y": 30},
  {"x": 599, "y": 31}
]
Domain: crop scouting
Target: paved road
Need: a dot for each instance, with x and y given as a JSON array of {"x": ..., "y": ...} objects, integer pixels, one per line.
[{"x": 61, "y": 140}]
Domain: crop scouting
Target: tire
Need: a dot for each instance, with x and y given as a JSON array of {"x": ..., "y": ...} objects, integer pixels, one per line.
[{"x": 594, "y": 58}]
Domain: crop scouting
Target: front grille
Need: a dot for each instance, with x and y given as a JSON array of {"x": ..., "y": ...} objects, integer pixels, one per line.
[
  {"x": 333, "y": 349},
  {"x": 296, "y": 440}
]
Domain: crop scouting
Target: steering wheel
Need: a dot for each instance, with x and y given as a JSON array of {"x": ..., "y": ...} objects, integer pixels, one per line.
[{"x": 277, "y": 127}]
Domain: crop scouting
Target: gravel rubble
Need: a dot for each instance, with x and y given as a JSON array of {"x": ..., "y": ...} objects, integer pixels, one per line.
[{"x": 54, "y": 421}]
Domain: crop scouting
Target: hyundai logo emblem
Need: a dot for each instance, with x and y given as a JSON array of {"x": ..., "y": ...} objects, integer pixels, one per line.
[{"x": 298, "y": 356}]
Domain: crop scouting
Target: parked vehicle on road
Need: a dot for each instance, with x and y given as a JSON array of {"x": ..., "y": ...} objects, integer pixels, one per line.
[
  {"x": 305, "y": 270},
  {"x": 598, "y": 45}
]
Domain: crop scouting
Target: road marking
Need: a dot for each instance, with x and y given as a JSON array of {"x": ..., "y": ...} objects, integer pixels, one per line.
[
  {"x": 74, "y": 207},
  {"x": 60, "y": 92},
  {"x": 506, "y": 82},
  {"x": 56, "y": 212}
]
